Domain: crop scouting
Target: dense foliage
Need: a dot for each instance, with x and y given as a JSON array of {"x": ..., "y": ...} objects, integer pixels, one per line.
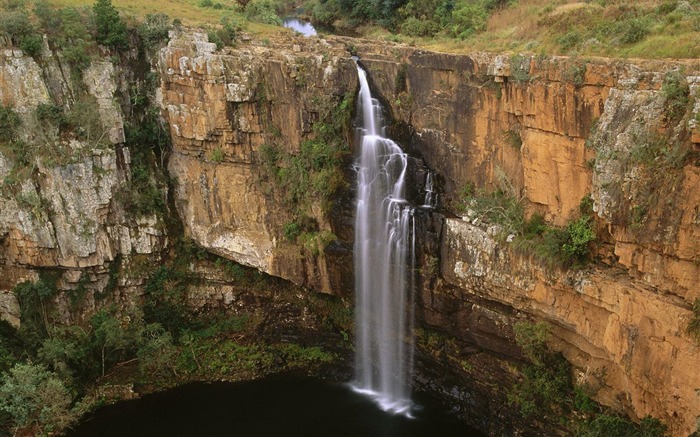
[
  {"x": 111, "y": 30},
  {"x": 553, "y": 246},
  {"x": 547, "y": 390}
]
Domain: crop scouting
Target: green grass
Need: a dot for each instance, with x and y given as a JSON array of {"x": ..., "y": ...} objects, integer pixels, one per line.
[
  {"x": 189, "y": 12},
  {"x": 651, "y": 29}
]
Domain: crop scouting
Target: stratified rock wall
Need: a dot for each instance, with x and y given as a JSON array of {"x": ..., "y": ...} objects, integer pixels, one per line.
[
  {"x": 557, "y": 130},
  {"x": 231, "y": 103},
  {"x": 553, "y": 129},
  {"x": 62, "y": 212}
]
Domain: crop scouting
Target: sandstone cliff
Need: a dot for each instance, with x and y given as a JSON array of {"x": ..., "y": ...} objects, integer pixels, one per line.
[
  {"x": 59, "y": 206},
  {"x": 557, "y": 129},
  {"x": 230, "y": 103},
  {"x": 622, "y": 321}
]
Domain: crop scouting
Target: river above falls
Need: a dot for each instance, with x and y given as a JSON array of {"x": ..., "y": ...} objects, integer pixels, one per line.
[
  {"x": 277, "y": 406},
  {"x": 303, "y": 27}
]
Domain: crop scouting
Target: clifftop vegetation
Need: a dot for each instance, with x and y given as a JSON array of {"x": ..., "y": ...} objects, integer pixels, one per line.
[
  {"x": 649, "y": 29},
  {"x": 614, "y": 28}
]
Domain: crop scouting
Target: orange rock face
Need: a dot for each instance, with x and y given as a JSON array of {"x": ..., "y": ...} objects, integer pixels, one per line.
[
  {"x": 231, "y": 103},
  {"x": 557, "y": 130}
]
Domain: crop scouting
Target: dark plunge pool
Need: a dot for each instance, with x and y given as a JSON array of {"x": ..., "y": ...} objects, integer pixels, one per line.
[{"x": 280, "y": 406}]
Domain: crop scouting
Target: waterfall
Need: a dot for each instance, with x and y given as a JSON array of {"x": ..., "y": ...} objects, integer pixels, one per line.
[
  {"x": 383, "y": 245},
  {"x": 430, "y": 199}
]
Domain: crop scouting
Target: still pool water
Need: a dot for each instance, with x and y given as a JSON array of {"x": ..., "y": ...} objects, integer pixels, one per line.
[
  {"x": 281, "y": 406},
  {"x": 303, "y": 27}
]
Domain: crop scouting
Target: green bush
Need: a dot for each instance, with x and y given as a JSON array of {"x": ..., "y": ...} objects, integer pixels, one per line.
[
  {"x": 10, "y": 122},
  {"x": 48, "y": 113},
  {"x": 111, "y": 30},
  {"x": 83, "y": 119},
  {"x": 520, "y": 68},
  {"x": 165, "y": 301},
  {"x": 263, "y": 11},
  {"x": 469, "y": 17},
  {"x": 156, "y": 352},
  {"x": 635, "y": 30},
  {"x": 580, "y": 234},
  {"x": 225, "y": 35},
  {"x": 569, "y": 40},
  {"x": 496, "y": 207},
  {"x": 606, "y": 425},
  {"x": 154, "y": 29},
  {"x": 143, "y": 194},
  {"x": 11, "y": 347},
  {"x": 33, "y": 396},
  {"x": 694, "y": 324},
  {"x": 656, "y": 151},
  {"x": 217, "y": 155},
  {"x": 17, "y": 25},
  {"x": 546, "y": 385},
  {"x": 677, "y": 93},
  {"x": 35, "y": 309},
  {"x": 292, "y": 231},
  {"x": 416, "y": 27}
]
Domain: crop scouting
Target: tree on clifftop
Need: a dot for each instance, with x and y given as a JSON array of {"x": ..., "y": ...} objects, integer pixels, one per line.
[{"x": 111, "y": 30}]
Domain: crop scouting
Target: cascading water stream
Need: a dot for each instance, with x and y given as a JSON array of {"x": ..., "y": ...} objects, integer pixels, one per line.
[
  {"x": 430, "y": 199},
  {"x": 384, "y": 245}
]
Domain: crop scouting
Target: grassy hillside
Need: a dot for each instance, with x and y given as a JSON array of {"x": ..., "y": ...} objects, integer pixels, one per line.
[
  {"x": 614, "y": 28},
  {"x": 646, "y": 29}
]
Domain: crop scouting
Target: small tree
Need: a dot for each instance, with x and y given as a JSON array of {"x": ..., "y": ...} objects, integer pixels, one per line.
[
  {"x": 109, "y": 338},
  {"x": 33, "y": 396},
  {"x": 111, "y": 30}
]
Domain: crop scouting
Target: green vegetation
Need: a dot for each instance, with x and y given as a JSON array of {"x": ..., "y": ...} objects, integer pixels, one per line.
[
  {"x": 154, "y": 29},
  {"x": 147, "y": 140},
  {"x": 71, "y": 31},
  {"x": 677, "y": 93},
  {"x": 513, "y": 138},
  {"x": 10, "y": 123},
  {"x": 546, "y": 383},
  {"x": 606, "y": 425},
  {"x": 217, "y": 155},
  {"x": 15, "y": 23},
  {"x": 263, "y": 11},
  {"x": 693, "y": 328},
  {"x": 520, "y": 68},
  {"x": 166, "y": 344},
  {"x": 111, "y": 30},
  {"x": 655, "y": 29},
  {"x": 564, "y": 247},
  {"x": 35, "y": 397},
  {"x": 226, "y": 34},
  {"x": 314, "y": 175},
  {"x": 547, "y": 389}
]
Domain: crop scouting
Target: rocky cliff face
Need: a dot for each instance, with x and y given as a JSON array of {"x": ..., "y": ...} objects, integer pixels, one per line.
[
  {"x": 222, "y": 107},
  {"x": 599, "y": 127},
  {"x": 555, "y": 129},
  {"x": 59, "y": 206}
]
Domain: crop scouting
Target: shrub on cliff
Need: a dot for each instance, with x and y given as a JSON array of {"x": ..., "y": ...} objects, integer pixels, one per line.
[
  {"x": 154, "y": 30},
  {"x": 10, "y": 123},
  {"x": 263, "y": 11},
  {"x": 694, "y": 325},
  {"x": 579, "y": 234},
  {"x": 605, "y": 425},
  {"x": 111, "y": 30},
  {"x": 19, "y": 28},
  {"x": 546, "y": 385},
  {"x": 34, "y": 396}
]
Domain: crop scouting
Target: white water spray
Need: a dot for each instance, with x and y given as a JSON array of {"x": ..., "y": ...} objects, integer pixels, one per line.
[
  {"x": 430, "y": 199},
  {"x": 384, "y": 245}
]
